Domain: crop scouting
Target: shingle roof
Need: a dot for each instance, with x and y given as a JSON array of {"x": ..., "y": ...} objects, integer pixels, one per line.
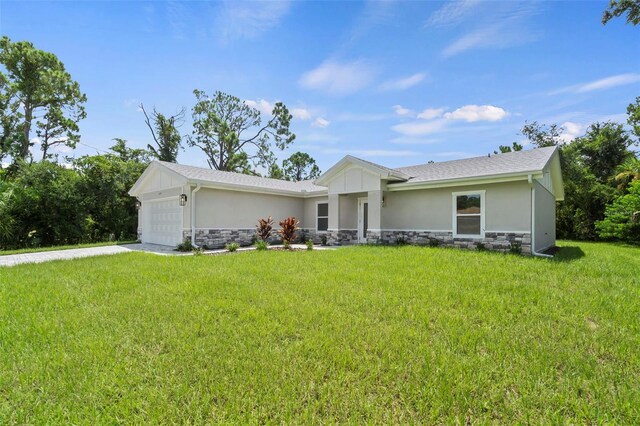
[
  {"x": 507, "y": 163},
  {"x": 216, "y": 176}
]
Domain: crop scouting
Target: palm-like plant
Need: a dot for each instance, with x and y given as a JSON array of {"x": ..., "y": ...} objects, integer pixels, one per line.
[
  {"x": 288, "y": 228},
  {"x": 628, "y": 172},
  {"x": 6, "y": 220},
  {"x": 264, "y": 228}
]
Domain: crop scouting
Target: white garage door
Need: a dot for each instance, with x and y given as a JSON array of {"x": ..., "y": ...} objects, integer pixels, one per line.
[{"x": 162, "y": 222}]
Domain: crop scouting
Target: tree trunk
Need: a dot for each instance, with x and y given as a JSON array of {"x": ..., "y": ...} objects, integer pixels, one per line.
[{"x": 26, "y": 128}]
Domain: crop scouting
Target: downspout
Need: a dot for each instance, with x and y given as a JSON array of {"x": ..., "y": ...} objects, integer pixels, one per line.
[
  {"x": 193, "y": 215},
  {"x": 533, "y": 220}
]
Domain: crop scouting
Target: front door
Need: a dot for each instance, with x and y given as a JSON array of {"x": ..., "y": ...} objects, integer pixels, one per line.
[{"x": 363, "y": 220}]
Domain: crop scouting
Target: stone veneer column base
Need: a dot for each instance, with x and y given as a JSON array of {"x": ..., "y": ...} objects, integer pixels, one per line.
[{"x": 496, "y": 241}]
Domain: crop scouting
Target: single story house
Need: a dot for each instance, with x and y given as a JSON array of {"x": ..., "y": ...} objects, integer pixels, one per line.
[{"x": 500, "y": 201}]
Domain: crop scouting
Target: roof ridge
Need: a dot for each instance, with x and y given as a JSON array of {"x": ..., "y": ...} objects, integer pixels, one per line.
[
  {"x": 476, "y": 157},
  {"x": 170, "y": 164}
]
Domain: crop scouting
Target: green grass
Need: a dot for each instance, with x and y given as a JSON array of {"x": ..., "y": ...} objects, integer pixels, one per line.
[
  {"x": 54, "y": 248},
  {"x": 357, "y": 335}
]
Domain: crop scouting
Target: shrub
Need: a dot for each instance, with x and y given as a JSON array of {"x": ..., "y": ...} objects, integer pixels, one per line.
[
  {"x": 288, "y": 228},
  {"x": 185, "y": 245},
  {"x": 262, "y": 245},
  {"x": 323, "y": 240},
  {"x": 264, "y": 228},
  {"x": 231, "y": 246},
  {"x": 622, "y": 217},
  {"x": 309, "y": 245},
  {"x": 516, "y": 248},
  {"x": 401, "y": 241},
  {"x": 433, "y": 242},
  {"x": 481, "y": 247}
]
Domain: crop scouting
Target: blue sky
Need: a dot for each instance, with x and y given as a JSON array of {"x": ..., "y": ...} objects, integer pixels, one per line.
[{"x": 393, "y": 82}]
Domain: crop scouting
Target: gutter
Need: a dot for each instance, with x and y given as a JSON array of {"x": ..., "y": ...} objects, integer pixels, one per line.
[
  {"x": 193, "y": 215},
  {"x": 475, "y": 180}
]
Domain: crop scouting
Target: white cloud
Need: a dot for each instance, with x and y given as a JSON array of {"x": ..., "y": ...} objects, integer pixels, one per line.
[
  {"x": 402, "y": 111},
  {"x": 601, "y": 84},
  {"x": 371, "y": 152},
  {"x": 473, "y": 113},
  {"x": 571, "y": 131},
  {"x": 338, "y": 78},
  {"x": 418, "y": 128},
  {"x": 362, "y": 117},
  {"x": 262, "y": 105},
  {"x": 249, "y": 19},
  {"x": 319, "y": 137},
  {"x": 407, "y": 140},
  {"x": 403, "y": 83},
  {"x": 431, "y": 113},
  {"x": 132, "y": 103},
  {"x": 301, "y": 113},
  {"x": 503, "y": 25},
  {"x": 320, "y": 122},
  {"x": 452, "y": 13}
]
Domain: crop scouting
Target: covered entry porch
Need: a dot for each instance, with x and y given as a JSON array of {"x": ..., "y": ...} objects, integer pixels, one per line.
[{"x": 353, "y": 217}]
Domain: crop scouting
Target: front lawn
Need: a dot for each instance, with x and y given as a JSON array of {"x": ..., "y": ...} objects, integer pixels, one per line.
[{"x": 360, "y": 335}]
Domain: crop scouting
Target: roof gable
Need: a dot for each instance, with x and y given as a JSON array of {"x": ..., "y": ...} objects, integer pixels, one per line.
[{"x": 383, "y": 172}]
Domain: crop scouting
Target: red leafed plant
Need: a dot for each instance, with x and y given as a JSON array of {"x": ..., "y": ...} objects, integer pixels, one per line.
[
  {"x": 264, "y": 228},
  {"x": 288, "y": 228}
]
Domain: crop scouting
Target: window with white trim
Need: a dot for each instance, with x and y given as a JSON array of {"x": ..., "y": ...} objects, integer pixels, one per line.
[
  {"x": 322, "y": 216},
  {"x": 468, "y": 214}
]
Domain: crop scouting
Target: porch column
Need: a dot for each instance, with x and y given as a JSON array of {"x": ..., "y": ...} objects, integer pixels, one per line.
[
  {"x": 334, "y": 212},
  {"x": 374, "y": 198}
]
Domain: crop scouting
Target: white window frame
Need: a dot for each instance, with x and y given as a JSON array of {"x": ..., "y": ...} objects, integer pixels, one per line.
[
  {"x": 454, "y": 219},
  {"x": 322, "y": 217}
]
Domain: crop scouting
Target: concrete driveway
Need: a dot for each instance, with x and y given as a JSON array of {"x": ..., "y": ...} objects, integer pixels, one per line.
[{"x": 17, "y": 259}]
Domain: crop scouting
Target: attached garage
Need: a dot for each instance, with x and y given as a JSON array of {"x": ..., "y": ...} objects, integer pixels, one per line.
[{"x": 162, "y": 222}]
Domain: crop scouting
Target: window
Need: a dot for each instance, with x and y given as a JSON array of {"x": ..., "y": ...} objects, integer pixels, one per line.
[
  {"x": 322, "y": 216},
  {"x": 468, "y": 215}
]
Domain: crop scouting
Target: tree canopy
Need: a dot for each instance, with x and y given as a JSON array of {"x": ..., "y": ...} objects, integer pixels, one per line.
[
  {"x": 232, "y": 134},
  {"x": 620, "y": 7},
  {"x": 165, "y": 134},
  {"x": 300, "y": 166},
  {"x": 37, "y": 87}
]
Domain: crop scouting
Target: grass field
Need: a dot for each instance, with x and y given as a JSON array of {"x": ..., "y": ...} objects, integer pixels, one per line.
[
  {"x": 54, "y": 248},
  {"x": 363, "y": 334}
]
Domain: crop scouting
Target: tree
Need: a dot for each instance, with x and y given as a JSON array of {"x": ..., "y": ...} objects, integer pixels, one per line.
[
  {"x": 589, "y": 165},
  {"x": 506, "y": 148},
  {"x": 628, "y": 172},
  {"x": 164, "y": 131},
  {"x": 38, "y": 81},
  {"x": 275, "y": 171},
  {"x": 542, "y": 135},
  {"x": 604, "y": 148},
  {"x": 622, "y": 217},
  {"x": 633, "y": 119},
  {"x": 220, "y": 124},
  {"x": 9, "y": 118},
  {"x": 619, "y": 7},
  {"x": 104, "y": 185},
  {"x": 300, "y": 166},
  {"x": 46, "y": 206},
  {"x": 125, "y": 153}
]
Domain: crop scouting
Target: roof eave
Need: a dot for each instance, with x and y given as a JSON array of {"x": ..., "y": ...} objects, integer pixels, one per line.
[
  {"x": 472, "y": 180},
  {"x": 255, "y": 189}
]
